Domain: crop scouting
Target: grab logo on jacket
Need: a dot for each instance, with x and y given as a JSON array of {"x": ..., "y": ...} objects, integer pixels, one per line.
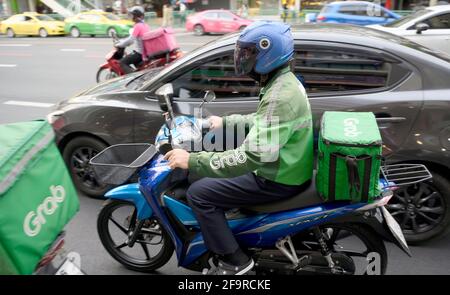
[
  {"x": 233, "y": 159},
  {"x": 351, "y": 127},
  {"x": 34, "y": 220}
]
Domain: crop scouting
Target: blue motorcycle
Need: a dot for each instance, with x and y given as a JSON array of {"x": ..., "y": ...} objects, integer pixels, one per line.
[{"x": 142, "y": 224}]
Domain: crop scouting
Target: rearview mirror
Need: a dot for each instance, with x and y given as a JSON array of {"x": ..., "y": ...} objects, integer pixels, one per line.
[
  {"x": 165, "y": 95},
  {"x": 420, "y": 27}
]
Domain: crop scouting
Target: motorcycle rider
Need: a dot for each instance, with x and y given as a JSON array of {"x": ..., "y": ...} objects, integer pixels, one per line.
[
  {"x": 139, "y": 29},
  {"x": 275, "y": 160}
]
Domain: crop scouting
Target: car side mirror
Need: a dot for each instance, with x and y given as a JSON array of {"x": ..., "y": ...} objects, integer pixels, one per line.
[
  {"x": 165, "y": 96},
  {"x": 209, "y": 96},
  {"x": 420, "y": 27}
]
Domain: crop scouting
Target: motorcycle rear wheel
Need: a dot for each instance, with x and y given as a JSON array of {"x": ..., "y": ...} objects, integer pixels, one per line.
[
  {"x": 105, "y": 74},
  {"x": 343, "y": 239},
  {"x": 124, "y": 222}
]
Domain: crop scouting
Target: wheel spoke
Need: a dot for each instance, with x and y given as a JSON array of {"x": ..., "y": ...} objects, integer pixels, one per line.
[
  {"x": 428, "y": 217},
  {"x": 395, "y": 207},
  {"x": 123, "y": 229},
  {"x": 144, "y": 247},
  {"x": 436, "y": 210},
  {"x": 405, "y": 220},
  {"x": 430, "y": 196},
  {"x": 121, "y": 246},
  {"x": 77, "y": 158}
]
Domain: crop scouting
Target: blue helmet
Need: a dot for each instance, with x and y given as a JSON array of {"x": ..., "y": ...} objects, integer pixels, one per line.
[{"x": 262, "y": 47}]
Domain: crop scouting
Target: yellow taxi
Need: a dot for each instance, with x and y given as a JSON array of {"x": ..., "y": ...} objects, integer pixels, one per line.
[{"x": 31, "y": 23}]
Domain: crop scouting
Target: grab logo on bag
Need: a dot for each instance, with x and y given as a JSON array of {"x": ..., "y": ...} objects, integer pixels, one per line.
[
  {"x": 34, "y": 220},
  {"x": 351, "y": 128}
]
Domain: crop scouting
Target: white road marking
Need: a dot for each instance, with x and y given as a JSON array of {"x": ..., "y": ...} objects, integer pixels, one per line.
[
  {"x": 15, "y": 45},
  {"x": 73, "y": 50},
  {"x": 7, "y": 66},
  {"x": 29, "y": 103}
]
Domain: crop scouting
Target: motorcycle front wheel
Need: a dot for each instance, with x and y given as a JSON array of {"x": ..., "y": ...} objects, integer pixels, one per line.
[
  {"x": 115, "y": 224},
  {"x": 105, "y": 74}
]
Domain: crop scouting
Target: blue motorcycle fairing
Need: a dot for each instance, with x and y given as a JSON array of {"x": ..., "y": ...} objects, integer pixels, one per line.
[{"x": 131, "y": 193}]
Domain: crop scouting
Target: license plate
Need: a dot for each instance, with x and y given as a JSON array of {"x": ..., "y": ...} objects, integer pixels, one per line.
[
  {"x": 395, "y": 229},
  {"x": 71, "y": 265}
]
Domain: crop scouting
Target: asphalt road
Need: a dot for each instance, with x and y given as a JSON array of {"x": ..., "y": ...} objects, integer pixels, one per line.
[{"x": 36, "y": 73}]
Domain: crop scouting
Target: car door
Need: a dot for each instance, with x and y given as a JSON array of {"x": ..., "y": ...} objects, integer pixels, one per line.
[
  {"x": 30, "y": 26},
  {"x": 227, "y": 22},
  {"x": 18, "y": 24},
  {"x": 210, "y": 71},
  {"x": 85, "y": 23},
  {"x": 438, "y": 34},
  {"x": 99, "y": 24},
  {"x": 210, "y": 22},
  {"x": 339, "y": 77}
]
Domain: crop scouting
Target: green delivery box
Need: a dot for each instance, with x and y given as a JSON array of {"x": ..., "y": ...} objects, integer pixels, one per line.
[
  {"x": 37, "y": 197},
  {"x": 349, "y": 157}
]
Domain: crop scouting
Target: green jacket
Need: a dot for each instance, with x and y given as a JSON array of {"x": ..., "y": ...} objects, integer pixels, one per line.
[{"x": 279, "y": 144}]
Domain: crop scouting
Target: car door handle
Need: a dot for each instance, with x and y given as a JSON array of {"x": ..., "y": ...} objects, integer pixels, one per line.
[{"x": 391, "y": 120}]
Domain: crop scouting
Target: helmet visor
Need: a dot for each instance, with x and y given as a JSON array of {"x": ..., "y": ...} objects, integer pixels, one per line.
[{"x": 245, "y": 58}]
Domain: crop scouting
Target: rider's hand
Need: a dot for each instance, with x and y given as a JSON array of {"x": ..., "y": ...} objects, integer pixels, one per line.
[
  {"x": 178, "y": 158},
  {"x": 215, "y": 122}
]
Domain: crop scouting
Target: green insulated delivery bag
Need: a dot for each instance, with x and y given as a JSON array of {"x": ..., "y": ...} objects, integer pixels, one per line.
[
  {"x": 349, "y": 157},
  {"x": 37, "y": 197}
]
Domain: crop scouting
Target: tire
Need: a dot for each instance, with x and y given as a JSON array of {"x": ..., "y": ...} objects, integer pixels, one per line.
[
  {"x": 77, "y": 154},
  {"x": 10, "y": 33},
  {"x": 111, "y": 32},
  {"x": 434, "y": 196},
  {"x": 372, "y": 241},
  {"x": 43, "y": 33},
  {"x": 75, "y": 32},
  {"x": 199, "y": 30},
  {"x": 104, "y": 233},
  {"x": 104, "y": 74}
]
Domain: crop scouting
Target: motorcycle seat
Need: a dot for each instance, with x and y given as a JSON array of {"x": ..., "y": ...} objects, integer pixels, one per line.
[{"x": 305, "y": 198}]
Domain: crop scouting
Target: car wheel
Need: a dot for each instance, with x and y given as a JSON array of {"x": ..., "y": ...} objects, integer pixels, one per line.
[
  {"x": 104, "y": 74},
  {"x": 111, "y": 32},
  {"x": 423, "y": 209},
  {"x": 43, "y": 33},
  {"x": 75, "y": 32},
  {"x": 77, "y": 154},
  {"x": 199, "y": 30},
  {"x": 10, "y": 33}
]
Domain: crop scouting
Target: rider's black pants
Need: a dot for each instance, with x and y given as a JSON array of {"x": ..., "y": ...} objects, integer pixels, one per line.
[
  {"x": 210, "y": 197},
  {"x": 134, "y": 58}
]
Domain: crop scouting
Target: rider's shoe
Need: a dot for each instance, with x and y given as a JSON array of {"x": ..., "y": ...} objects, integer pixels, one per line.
[{"x": 224, "y": 268}]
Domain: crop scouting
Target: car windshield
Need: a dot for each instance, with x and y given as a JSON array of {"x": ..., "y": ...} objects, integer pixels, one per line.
[
  {"x": 44, "y": 18},
  {"x": 401, "y": 21},
  {"x": 111, "y": 16}
]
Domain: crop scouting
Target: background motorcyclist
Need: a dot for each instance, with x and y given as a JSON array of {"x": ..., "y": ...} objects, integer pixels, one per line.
[
  {"x": 139, "y": 29},
  {"x": 276, "y": 159}
]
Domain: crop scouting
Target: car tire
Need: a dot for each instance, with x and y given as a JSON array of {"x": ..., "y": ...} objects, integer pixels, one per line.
[
  {"x": 435, "y": 197},
  {"x": 111, "y": 32},
  {"x": 10, "y": 33},
  {"x": 75, "y": 32},
  {"x": 43, "y": 33},
  {"x": 199, "y": 30},
  {"x": 77, "y": 154}
]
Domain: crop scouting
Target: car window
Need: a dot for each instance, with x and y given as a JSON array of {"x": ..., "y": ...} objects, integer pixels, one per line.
[
  {"x": 210, "y": 15},
  {"x": 111, "y": 16},
  {"x": 225, "y": 16},
  {"x": 28, "y": 18},
  {"x": 44, "y": 18},
  {"x": 354, "y": 10},
  {"x": 401, "y": 21},
  {"x": 216, "y": 74},
  {"x": 335, "y": 70},
  {"x": 18, "y": 18},
  {"x": 439, "y": 22}
]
